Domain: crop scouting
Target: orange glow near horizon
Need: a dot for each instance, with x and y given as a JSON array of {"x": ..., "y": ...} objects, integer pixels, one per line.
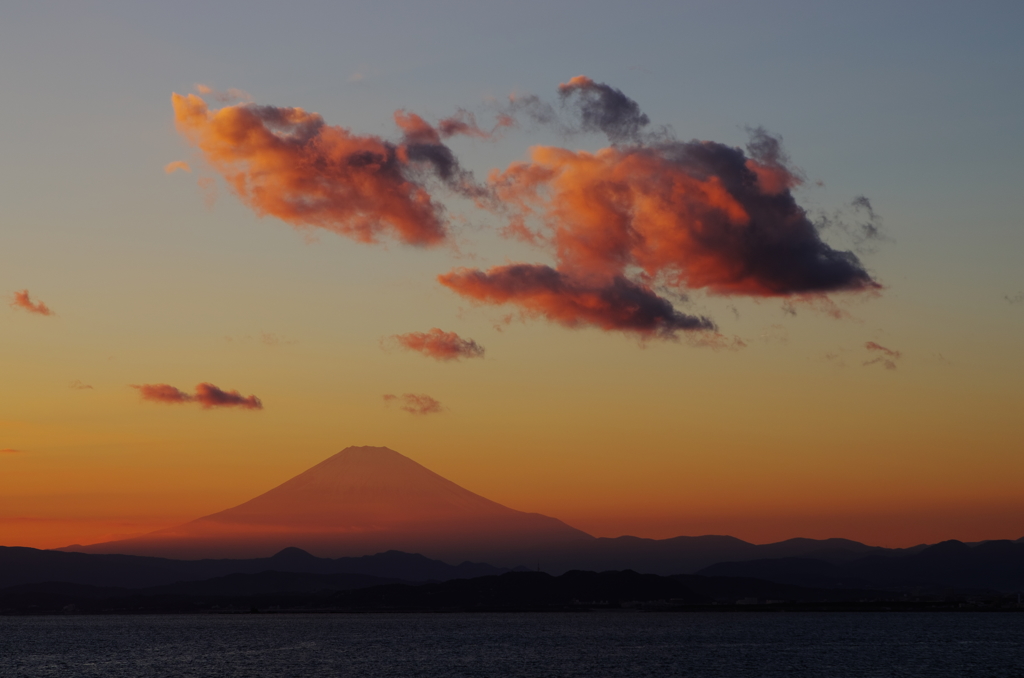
[{"x": 633, "y": 448}]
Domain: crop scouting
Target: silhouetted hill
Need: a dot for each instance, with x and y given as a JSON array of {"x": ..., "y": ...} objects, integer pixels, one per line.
[
  {"x": 232, "y": 586},
  {"x": 580, "y": 589},
  {"x": 680, "y": 555},
  {"x": 263, "y": 583},
  {"x": 731, "y": 590},
  {"x": 276, "y": 591},
  {"x": 22, "y": 565},
  {"x": 990, "y": 565}
]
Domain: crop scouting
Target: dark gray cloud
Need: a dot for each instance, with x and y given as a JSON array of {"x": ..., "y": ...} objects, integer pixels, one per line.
[
  {"x": 619, "y": 304},
  {"x": 533, "y": 107},
  {"x": 886, "y": 357},
  {"x": 857, "y": 223},
  {"x": 602, "y": 108}
]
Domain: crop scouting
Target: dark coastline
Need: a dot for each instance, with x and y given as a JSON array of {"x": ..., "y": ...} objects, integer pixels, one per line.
[{"x": 573, "y": 592}]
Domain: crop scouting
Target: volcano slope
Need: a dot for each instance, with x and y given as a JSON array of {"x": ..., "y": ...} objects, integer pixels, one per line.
[{"x": 360, "y": 501}]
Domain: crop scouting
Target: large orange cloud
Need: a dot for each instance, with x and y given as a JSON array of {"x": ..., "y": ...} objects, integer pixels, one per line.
[
  {"x": 634, "y": 216},
  {"x": 23, "y": 301},
  {"x": 206, "y": 394},
  {"x": 288, "y": 163},
  {"x": 647, "y": 213},
  {"x": 694, "y": 215},
  {"x": 439, "y": 344},
  {"x": 652, "y": 211}
]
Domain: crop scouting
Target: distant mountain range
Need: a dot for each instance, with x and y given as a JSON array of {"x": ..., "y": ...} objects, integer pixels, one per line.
[
  {"x": 372, "y": 500},
  {"x": 993, "y": 566},
  {"x": 367, "y": 500}
]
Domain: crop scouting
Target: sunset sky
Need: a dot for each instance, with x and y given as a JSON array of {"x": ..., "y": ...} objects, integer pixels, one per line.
[{"x": 206, "y": 296}]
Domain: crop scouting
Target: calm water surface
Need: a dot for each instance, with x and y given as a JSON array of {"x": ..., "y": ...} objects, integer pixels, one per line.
[{"x": 529, "y": 645}]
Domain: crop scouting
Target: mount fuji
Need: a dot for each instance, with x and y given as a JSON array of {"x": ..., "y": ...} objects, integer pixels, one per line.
[{"x": 360, "y": 501}]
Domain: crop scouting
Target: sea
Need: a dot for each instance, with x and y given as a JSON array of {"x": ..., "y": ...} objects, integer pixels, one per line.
[{"x": 594, "y": 644}]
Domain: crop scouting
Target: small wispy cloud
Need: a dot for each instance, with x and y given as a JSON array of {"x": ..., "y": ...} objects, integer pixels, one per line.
[
  {"x": 774, "y": 334},
  {"x": 224, "y": 96},
  {"x": 79, "y": 386},
  {"x": 886, "y": 357},
  {"x": 206, "y": 394},
  {"x": 271, "y": 339},
  {"x": 363, "y": 73},
  {"x": 23, "y": 301},
  {"x": 172, "y": 167},
  {"x": 1015, "y": 298},
  {"x": 438, "y": 344},
  {"x": 414, "y": 403},
  {"x": 208, "y": 189},
  {"x": 817, "y": 304},
  {"x": 9, "y": 450},
  {"x": 858, "y": 222},
  {"x": 715, "y": 341},
  {"x": 835, "y": 358}
]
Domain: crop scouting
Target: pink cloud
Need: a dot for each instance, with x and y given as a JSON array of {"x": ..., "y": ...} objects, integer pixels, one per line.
[
  {"x": 173, "y": 167},
  {"x": 872, "y": 346},
  {"x": 415, "y": 403},
  {"x": 287, "y": 162},
  {"x": 207, "y": 395},
  {"x": 440, "y": 345},
  {"x": 887, "y": 357},
  {"x": 23, "y": 301}
]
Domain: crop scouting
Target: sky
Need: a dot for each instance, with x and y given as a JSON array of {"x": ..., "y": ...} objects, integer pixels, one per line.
[{"x": 545, "y": 293}]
